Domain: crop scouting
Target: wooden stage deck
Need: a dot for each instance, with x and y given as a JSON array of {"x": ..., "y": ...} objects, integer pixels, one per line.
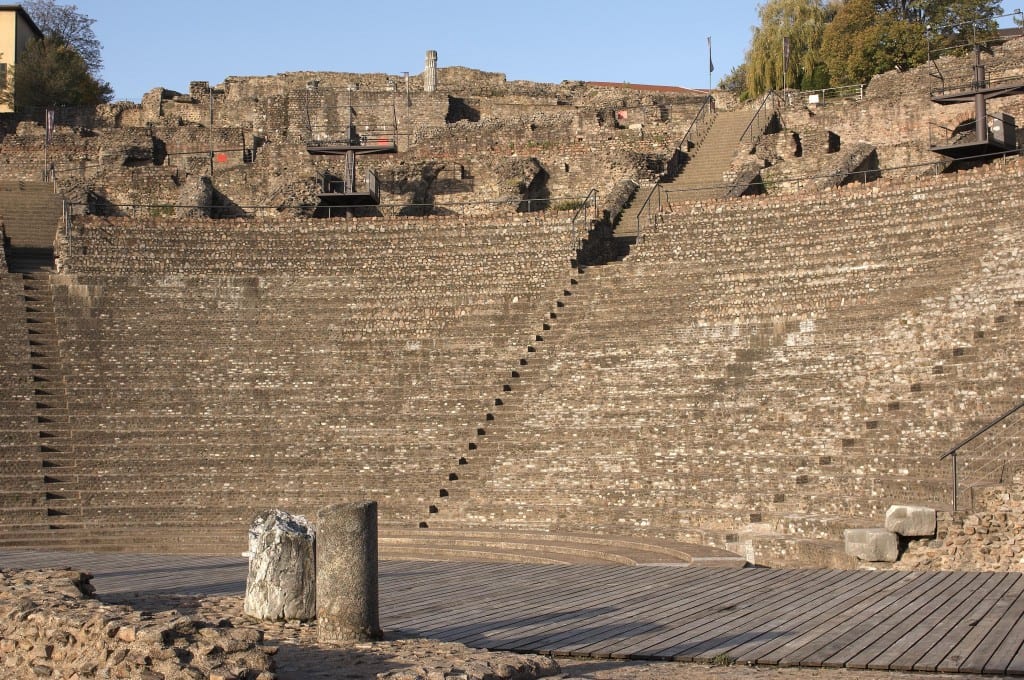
[{"x": 964, "y": 622}]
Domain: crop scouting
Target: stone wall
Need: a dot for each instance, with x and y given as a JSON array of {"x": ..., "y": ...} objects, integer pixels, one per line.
[
  {"x": 897, "y": 116},
  {"x": 475, "y": 125},
  {"x": 988, "y": 539},
  {"x": 50, "y": 627}
]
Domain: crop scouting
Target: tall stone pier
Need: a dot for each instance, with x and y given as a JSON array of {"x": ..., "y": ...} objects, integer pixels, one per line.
[{"x": 347, "y": 598}]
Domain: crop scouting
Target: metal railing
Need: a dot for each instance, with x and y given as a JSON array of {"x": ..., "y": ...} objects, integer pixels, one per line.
[
  {"x": 660, "y": 199},
  {"x": 930, "y": 167},
  {"x": 964, "y": 133},
  {"x": 694, "y": 136},
  {"x": 699, "y": 126},
  {"x": 824, "y": 95},
  {"x": 965, "y": 87},
  {"x": 652, "y": 205},
  {"x": 1001, "y": 456},
  {"x": 583, "y": 213},
  {"x": 768, "y": 109}
]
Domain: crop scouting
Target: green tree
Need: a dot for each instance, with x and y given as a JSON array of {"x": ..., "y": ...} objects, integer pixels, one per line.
[
  {"x": 950, "y": 22},
  {"x": 70, "y": 26},
  {"x": 50, "y": 73},
  {"x": 862, "y": 40},
  {"x": 735, "y": 81},
  {"x": 801, "y": 23}
]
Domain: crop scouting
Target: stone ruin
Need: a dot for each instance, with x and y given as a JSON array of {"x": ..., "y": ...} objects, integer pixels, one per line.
[{"x": 758, "y": 374}]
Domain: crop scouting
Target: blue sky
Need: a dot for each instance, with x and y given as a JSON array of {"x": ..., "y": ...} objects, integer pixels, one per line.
[{"x": 147, "y": 44}]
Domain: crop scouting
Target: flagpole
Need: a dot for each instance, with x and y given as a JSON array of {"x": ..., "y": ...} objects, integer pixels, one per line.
[{"x": 711, "y": 69}]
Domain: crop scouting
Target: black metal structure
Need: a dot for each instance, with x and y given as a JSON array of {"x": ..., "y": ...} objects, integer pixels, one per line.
[
  {"x": 345, "y": 191},
  {"x": 989, "y": 134}
]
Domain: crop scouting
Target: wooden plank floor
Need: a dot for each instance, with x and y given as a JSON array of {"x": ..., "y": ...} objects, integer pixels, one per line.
[{"x": 918, "y": 621}]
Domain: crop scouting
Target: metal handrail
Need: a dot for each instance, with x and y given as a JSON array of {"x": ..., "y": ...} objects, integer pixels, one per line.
[
  {"x": 584, "y": 210},
  {"x": 953, "y": 452},
  {"x": 934, "y": 130},
  {"x": 935, "y": 167},
  {"x": 706, "y": 109},
  {"x": 588, "y": 200},
  {"x": 966, "y": 87},
  {"x": 657, "y": 188},
  {"x": 841, "y": 92},
  {"x": 770, "y": 96}
]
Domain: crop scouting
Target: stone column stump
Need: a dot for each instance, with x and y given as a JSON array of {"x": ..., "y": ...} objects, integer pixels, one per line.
[
  {"x": 346, "y": 581},
  {"x": 282, "y": 568}
]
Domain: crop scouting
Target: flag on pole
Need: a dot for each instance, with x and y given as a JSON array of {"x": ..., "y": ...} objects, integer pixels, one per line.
[{"x": 711, "y": 64}]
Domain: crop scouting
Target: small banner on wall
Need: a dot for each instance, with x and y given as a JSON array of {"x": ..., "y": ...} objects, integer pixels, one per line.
[{"x": 49, "y": 125}]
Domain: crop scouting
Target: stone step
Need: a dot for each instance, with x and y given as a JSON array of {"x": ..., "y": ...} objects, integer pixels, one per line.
[
  {"x": 560, "y": 547},
  {"x": 784, "y": 551}
]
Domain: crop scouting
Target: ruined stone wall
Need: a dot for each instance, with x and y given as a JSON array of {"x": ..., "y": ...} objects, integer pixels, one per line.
[
  {"x": 582, "y": 137},
  {"x": 989, "y": 539},
  {"x": 814, "y": 160},
  {"x": 897, "y": 115},
  {"x": 50, "y": 627},
  {"x": 180, "y": 145},
  {"x": 473, "y": 157},
  {"x": 135, "y": 190}
]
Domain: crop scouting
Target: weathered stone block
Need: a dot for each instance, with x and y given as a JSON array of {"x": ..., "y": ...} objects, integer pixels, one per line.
[
  {"x": 872, "y": 545},
  {"x": 910, "y": 520},
  {"x": 282, "y": 568}
]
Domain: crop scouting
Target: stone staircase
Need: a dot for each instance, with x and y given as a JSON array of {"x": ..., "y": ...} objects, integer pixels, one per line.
[
  {"x": 704, "y": 175},
  {"x": 31, "y": 213},
  {"x": 56, "y": 460},
  {"x": 701, "y": 177}
]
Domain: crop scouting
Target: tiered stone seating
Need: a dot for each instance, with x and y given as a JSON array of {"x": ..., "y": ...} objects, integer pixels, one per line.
[
  {"x": 764, "y": 367},
  {"x": 22, "y": 493},
  {"x": 216, "y": 369}
]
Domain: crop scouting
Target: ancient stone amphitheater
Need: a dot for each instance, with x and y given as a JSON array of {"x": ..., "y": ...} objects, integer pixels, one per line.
[{"x": 584, "y": 320}]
